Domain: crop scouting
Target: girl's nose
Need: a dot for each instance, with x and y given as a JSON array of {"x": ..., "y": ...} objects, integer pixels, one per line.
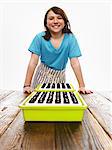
[{"x": 55, "y": 20}]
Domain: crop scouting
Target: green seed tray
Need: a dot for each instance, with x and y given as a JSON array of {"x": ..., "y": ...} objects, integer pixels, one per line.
[
  {"x": 53, "y": 112},
  {"x": 38, "y": 88}
]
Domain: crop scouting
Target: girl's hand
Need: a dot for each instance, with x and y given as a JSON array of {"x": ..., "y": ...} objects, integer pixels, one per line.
[
  {"x": 28, "y": 89},
  {"x": 82, "y": 90}
]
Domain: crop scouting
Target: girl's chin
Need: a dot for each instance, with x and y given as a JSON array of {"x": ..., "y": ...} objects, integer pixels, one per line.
[{"x": 56, "y": 31}]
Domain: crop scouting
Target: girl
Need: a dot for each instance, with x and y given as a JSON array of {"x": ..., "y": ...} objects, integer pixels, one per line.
[{"x": 54, "y": 47}]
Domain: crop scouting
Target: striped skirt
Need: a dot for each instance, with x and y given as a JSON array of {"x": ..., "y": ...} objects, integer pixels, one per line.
[{"x": 44, "y": 74}]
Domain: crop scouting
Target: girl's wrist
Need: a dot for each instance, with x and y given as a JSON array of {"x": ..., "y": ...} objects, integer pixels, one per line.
[
  {"x": 27, "y": 85},
  {"x": 81, "y": 86}
]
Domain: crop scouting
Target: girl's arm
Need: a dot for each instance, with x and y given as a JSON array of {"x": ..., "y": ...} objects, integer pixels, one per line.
[
  {"x": 75, "y": 64},
  {"x": 30, "y": 71}
]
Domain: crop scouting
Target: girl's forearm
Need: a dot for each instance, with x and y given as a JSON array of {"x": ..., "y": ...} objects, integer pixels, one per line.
[
  {"x": 30, "y": 70},
  {"x": 29, "y": 74},
  {"x": 77, "y": 70}
]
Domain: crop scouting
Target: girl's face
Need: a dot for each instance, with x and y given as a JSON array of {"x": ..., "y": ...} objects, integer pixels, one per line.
[{"x": 55, "y": 22}]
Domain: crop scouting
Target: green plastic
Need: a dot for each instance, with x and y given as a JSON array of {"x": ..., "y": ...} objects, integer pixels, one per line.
[{"x": 53, "y": 112}]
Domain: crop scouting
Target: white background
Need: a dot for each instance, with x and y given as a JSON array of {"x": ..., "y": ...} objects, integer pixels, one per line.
[{"x": 90, "y": 22}]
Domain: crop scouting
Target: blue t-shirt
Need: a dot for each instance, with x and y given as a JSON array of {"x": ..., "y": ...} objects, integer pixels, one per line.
[{"x": 55, "y": 58}]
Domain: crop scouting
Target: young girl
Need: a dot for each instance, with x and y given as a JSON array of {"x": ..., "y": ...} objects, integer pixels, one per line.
[{"x": 54, "y": 47}]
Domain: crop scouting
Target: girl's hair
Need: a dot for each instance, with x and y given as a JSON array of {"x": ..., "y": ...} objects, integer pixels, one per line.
[{"x": 59, "y": 11}]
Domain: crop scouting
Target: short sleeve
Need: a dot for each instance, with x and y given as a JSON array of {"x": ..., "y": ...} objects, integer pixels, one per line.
[
  {"x": 35, "y": 46},
  {"x": 74, "y": 50}
]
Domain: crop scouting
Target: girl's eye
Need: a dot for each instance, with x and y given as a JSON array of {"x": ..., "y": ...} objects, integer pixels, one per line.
[
  {"x": 50, "y": 18},
  {"x": 60, "y": 18}
]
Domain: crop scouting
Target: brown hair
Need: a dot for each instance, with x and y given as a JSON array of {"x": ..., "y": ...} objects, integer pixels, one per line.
[{"x": 59, "y": 11}]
